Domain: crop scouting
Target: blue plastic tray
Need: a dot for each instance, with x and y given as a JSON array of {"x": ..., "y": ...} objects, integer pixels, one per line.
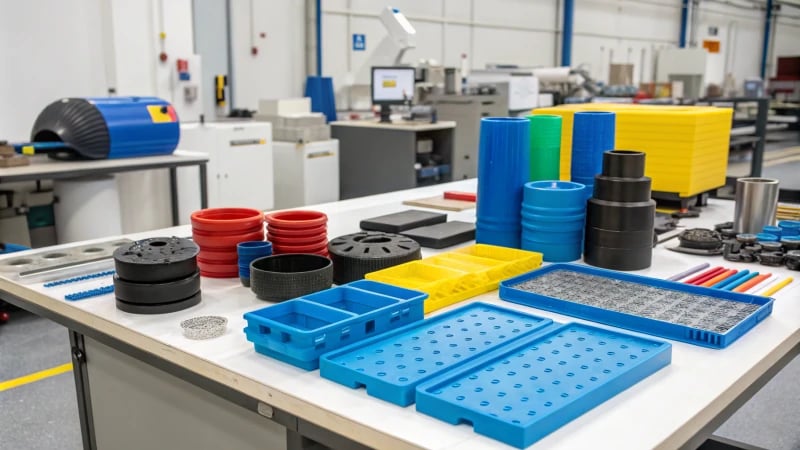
[
  {"x": 392, "y": 365},
  {"x": 693, "y": 314},
  {"x": 298, "y": 331},
  {"x": 528, "y": 389}
]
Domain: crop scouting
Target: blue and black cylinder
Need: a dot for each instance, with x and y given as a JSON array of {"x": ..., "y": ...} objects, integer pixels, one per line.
[{"x": 112, "y": 127}]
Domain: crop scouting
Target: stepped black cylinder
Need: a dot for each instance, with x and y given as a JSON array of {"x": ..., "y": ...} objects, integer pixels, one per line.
[{"x": 620, "y": 214}]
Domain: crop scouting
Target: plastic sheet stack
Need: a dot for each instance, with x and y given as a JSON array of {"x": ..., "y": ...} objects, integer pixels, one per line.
[{"x": 686, "y": 146}]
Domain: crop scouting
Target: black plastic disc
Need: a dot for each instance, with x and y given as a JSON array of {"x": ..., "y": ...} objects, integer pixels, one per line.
[
  {"x": 159, "y": 308},
  {"x": 156, "y": 260},
  {"x": 622, "y": 189},
  {"x": 618, "y": 216},
  {"x": 771, "y": 258},
  {"x": 355, "y": 255},
  {"x": 618, "y": 239},
  {"x": 618, "y": 258},
  {"x": 149, "y": 293},
  {"x": 700, "y": 238}
]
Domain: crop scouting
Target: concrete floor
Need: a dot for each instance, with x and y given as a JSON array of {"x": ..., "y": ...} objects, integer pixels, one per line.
[{"x": 43, "y": 414}]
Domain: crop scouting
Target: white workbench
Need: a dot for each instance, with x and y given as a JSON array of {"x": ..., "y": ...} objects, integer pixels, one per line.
[{"x": 677, "y": 406}]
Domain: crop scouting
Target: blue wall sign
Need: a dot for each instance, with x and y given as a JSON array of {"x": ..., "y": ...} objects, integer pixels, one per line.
[{"x": 359, "y": 42}]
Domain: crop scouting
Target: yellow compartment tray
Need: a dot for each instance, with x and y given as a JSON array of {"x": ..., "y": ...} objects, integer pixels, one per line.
[{"x": 454, "y": 276}]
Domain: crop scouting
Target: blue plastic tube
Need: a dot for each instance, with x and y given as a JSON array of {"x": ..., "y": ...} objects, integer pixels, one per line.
[
  {"x": 593, "y": 132},
  {"x": 558, "y": 241},
  {"x": 503, "y": 168}
]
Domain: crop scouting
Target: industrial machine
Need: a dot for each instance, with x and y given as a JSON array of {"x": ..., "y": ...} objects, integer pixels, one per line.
[
  {"x": 100, "y": 128},
  {"x": 391, "y": 86},
  {"x": 239, "y": 166}
]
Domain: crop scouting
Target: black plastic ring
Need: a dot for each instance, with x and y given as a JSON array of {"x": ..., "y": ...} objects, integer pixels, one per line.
[
  {"x": 159, "y": 308},
  {"x": 156, "y": 260},
  {"x": 618, "y": 216},
  {"x": 146, "y": 294},
  {"x": 355, "y": 255},
  {"x": 622, "y": 189},
  {"x": 619, "y": 239},
  {"x": 282, "y": 277}
]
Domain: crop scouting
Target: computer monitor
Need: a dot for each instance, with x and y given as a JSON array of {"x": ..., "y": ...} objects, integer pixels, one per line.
[{"x": 392, "y": 86}]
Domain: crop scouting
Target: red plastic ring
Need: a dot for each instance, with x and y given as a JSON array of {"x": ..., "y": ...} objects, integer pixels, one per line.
[
  {"x": 218, "y": 270},
  {"x": 298, "y": 240},
  {"x": 228, "y": 233},
  {"x": 226, "y": 219},
  {"x": 219, "y": 275},
  {"x": 218, "y": 255},
  {"x": 216, "y": 261},
  {"x": 296, "y": 219},
  {"x": 313, "y": 248},
  {"x": 290, "y": 232},
  {"x": 225, "y": 242}
]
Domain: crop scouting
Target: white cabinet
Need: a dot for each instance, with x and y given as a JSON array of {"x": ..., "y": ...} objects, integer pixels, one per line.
[
  {"x": 240, "y": 168},
  {"x": 306, "y": 174}
]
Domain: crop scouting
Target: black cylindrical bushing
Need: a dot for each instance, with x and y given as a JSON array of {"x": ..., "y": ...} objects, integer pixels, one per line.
[
  {"x": 620, "y": 215},
  {"x": 623, "y": 164}
]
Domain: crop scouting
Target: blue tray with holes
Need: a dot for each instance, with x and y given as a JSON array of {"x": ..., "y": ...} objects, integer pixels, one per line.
[
  {"x": 683, "y": 312},
  {"x": 298, "y": 331},
  {"x": 392, "y": 365},
  {"x": 526, "y": 390}
]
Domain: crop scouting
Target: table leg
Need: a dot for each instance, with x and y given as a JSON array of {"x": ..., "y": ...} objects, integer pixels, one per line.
[
  {"x": 203, "y": 186},
  {"x": 173, "y": 190},
  {"x": 82, "y": 390}
]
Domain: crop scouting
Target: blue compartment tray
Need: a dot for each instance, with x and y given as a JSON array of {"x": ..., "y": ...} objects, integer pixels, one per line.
[
  {"x": 298, "y": 331},
  {"x": 392, "y": 365},
  {"x": 525, "y": 390},
  {"x": 693, "y": 314}
]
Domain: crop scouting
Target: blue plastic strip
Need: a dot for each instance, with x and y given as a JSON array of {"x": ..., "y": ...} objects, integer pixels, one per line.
[
  {"x": 91, "y": 276},
  {"x": 739, "y": 282},
  {"x": 684, "y": 23},
  {"x": 767, "y": 31},
  {"x": 566, "y": 36},
  {"x": 732, "y": 279},
  {"x": 90, "y": 293},
  {"x": 528, "y": 389}
]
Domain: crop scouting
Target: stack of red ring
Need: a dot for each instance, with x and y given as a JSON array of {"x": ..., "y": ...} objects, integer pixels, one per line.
[
  {"x": 217, "y": 231},
  {"x": 298, "y": 232}
]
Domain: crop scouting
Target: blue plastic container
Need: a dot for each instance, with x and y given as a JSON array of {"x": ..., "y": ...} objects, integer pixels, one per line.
[
  {"x": 769, "y": 229},
  {"x": 642, "y": 292},
  {"x": 554, "y": 251},
  {"x": 298, "y": 331},
  {"x": 503, "y": 167},
  {"x": 593, "y": 133},
  {"x": 524, "y": 391},
  {"x": 767, "y": 237},
  {"x": 557, "y": 231},
  {"x": 393, "y": 365},
  {"x": 789, "y": 227}
]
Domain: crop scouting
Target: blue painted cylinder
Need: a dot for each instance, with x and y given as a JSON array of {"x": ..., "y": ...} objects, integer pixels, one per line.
[
  {"x": 553, "y": 219},
  {"x": 593, "y": 132},
  {"x": 503, "y": 168}
]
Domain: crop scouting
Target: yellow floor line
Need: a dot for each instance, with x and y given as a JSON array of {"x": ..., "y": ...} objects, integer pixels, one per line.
[{"x": 36, "y": 376}]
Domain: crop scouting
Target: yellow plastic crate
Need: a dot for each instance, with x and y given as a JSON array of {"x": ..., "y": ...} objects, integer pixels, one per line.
[
  {"x": 686, "y": 146},
  {"x": 451, "y": 277}
]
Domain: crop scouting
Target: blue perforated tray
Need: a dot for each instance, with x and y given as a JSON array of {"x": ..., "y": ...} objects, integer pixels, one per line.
[
  {"x": 392, "y": 365},
  {"x": 693, "y": 314},
  {"x": 298, "y": 331},
  {"x": 526, "y": 390}
]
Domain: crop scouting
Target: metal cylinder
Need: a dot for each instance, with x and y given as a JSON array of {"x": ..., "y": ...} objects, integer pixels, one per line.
[{"x": 756, "y": 204}]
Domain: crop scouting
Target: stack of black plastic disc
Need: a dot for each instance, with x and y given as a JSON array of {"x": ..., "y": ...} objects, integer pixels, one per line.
[
  {"x": 355, "y": 255},
  {"x": 156, "y": 276},
  {"x": 620, "y": 215}
]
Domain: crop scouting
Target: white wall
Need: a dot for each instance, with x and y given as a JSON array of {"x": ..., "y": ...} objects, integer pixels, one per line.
[
  {"x": 49, "y": 49},
  {"x": 278, "y": 70}
]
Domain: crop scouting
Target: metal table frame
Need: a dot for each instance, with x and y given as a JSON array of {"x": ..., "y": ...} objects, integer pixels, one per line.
[{"x": 135, "y": 164}]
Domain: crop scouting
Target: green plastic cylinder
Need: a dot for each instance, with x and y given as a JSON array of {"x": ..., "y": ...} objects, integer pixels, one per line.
[{"x": 545, "y": 147}]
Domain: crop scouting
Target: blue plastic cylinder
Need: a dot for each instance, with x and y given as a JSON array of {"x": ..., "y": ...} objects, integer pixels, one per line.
[
  {"x": 789, "y": 227},
  {"x": 553, "y": 219},
  {"x": 766, "y": 237},
  {"x": 769, "y": 229},
  {"x": 503, "y": 168},
  {"x": 139, "y": 126},
  {"x": 593, "y": 132},
  {"x": 250, "y": 251}
]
